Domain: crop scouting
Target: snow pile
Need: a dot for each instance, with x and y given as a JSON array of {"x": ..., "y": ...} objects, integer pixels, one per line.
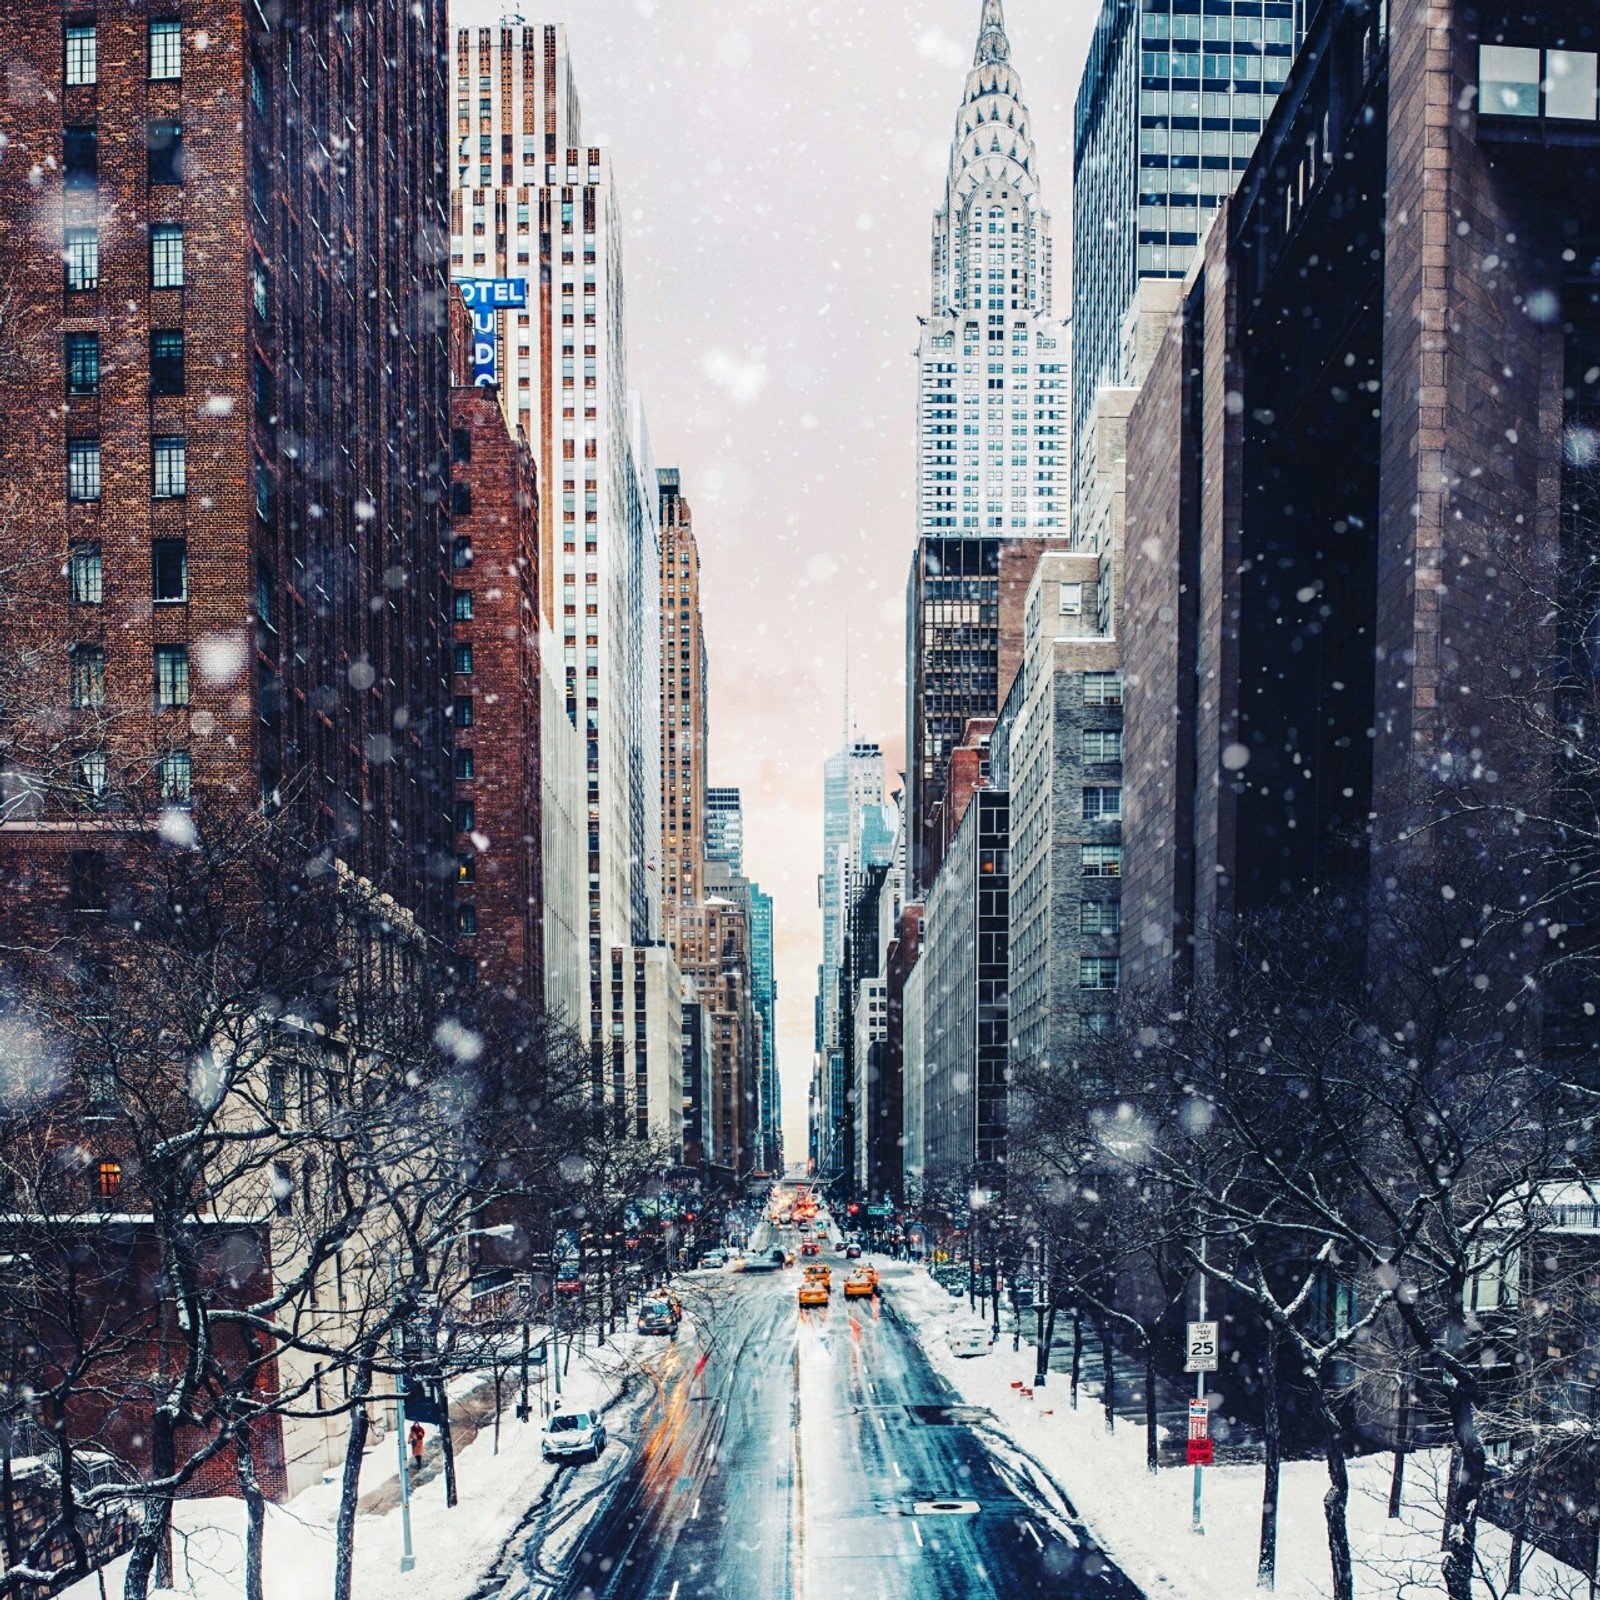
[{"x": 1144, "y": 1522}]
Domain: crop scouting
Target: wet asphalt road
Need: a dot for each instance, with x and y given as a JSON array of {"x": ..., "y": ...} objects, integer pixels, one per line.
[{"x": 786, "y": 1456}]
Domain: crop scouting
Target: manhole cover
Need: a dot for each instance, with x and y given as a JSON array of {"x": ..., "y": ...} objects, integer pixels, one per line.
[
  {"x": 948, "y": 1416},
  {"x": 944, "y": 1508}
]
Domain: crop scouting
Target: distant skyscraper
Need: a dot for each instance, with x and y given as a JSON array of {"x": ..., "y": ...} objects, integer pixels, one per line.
[
  {"x": 764, "y": 997},
  {"x": 992, "y": 418},
  {"x": 852, "y": 787},
  {"x": 1169, "y": 107},
  {"x": 683, "y": 712},
  {"x": 725, "y": 828}
]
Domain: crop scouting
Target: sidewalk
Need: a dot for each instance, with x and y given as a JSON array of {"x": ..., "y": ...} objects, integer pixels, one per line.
[{"x": 1145, "y": 1522}]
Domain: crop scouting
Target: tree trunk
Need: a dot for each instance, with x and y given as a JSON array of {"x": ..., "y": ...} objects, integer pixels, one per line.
[
  {"x": 1514, "y": 1561},
  {"x": 1108, "y": 1371},
  {"x": 1152, "y": 1445},
  {"x": 69, "y": 1497},
  {"x": 1335, "y": 1506},
  {"x": 1272, "y": 1436},
  {"x": 1468, "y": 1466},
  {"x": 344, "y": 1538},
  {"x": 1397, "y": 1477},
  {"x": 151, "y": 1554},
  {"x": 1077, "y": 1354},
  {"x": 1043, "y": 1373},
  {"x": 255, "y": 1511},
  {"x": 447, "y": 1445}
]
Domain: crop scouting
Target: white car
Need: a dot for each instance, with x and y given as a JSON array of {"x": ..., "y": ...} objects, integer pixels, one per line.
[
  {"x": 714, "y": 1260},
  {"x": 971, "y": 1342},
  {"x": 571, "y": 1434}
]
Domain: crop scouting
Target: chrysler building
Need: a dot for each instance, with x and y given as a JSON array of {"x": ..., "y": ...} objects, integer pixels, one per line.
[{"x": 993, "y": 427}]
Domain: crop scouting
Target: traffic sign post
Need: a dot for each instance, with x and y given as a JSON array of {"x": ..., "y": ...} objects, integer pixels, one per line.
[{"x": 1201, "y": 1348}]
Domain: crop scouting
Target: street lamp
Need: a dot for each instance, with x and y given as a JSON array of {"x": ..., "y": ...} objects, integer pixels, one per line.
[{"x": 504, "y": 1230}]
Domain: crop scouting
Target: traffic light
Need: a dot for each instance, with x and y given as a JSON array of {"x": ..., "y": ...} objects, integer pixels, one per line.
[{"x": 853, "y": 1208}]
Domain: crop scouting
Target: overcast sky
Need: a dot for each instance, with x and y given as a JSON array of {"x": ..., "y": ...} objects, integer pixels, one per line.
[{"x": 778, "y": 164}]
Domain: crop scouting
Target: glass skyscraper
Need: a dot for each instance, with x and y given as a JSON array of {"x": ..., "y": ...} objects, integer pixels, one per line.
[{"x": 1172, "y": 100}]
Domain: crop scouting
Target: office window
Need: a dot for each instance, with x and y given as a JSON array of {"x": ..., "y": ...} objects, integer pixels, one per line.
[
  {"x": 166, "y": 256},
  {"x": 1101, "y": 745},
  {"x": 80, "y": 159},
  {"x": 460, "y": 498},
  {"x": 168, "y": 467},
  {"x": 1569, "y": 84},
  {"x": 92, "y": 777},
  {"x": 463, "y": 658},
  {"x": 467, "y": 867},
  {"x": 1102, "y": 804},
  {"x": 85, "y": 576},
  {"x": 466, "y": 920},
  {"x": 169, "y": 569},
  {"x": 1099, "y": 972},
  {"x": 83, "y": 469},
  {"x": 172, "y": 676},
  {"x": 173, "y": 774},
  {"x": 1102, "y": 688},
  {"x": 87, "y": 669},
  {"x": 461, "y": 445},
  {"x": 1508, "y": 81},
  {"x": 1102, "y": 860},
  {"x": 83, "y": 363},
  {"x": 264, "y": 608},
  {"x": 462, "y": 553},
  {"x": 164, "y": 152},
  {"x": 166, "y": 50},
  {"x": 83, "y": 55},
  {"x": 466, "y": 768},
  {"x": 166, "y": 361},
  {"x": 1100, "y": 916},
  {"x": 463, "y": 711},
  {"x": 80, "y": 255},
  {"x": 86, "y": 883},
  {"x": 260, "y": 286},
  {"x": 463, "y": 611},
  {"x": 466, "y": 816}
]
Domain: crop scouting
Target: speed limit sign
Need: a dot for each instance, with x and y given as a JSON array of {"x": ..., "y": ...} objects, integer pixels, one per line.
[{"x": 1202, "y": 1348}]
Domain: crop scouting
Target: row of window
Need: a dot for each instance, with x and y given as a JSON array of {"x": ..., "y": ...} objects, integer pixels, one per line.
[
  {"x": 169, "y": 468},
  {"x": 87, "y": 676},
  {"x": 80, "y": 257},
  {"x": 80, "y": 155},
  {"x": 1520, "y": 81},
  {"x": 174, "y": 776},
  {"x": 81, "y": 53},
  {"x": 166, "y": 362},
  {"x": 169, "y": 572}
]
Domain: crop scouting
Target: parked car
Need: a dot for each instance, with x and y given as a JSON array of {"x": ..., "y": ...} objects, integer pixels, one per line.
[
  {"x": 971, "y": 1342},
  {"x": 569, "y": 1435}
]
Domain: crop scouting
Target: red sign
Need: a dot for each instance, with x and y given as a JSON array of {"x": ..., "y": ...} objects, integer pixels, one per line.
[{"x": 1200, "y": 1453}]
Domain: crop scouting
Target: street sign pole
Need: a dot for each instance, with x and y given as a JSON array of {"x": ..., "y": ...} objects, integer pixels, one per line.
[
  {"x": 1202, "y": 1358},
  {"x": 1200, "y": 1395}
]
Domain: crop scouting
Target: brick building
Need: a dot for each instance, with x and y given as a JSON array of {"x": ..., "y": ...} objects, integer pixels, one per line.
[
  {"x": 494, "y": 519},
  {"x": 1383, "y": 354},
  {"x": 225, "y": 388}
]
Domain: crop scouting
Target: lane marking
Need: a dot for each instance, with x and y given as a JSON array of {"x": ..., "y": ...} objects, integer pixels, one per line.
[
  {"x": 674, "y": 1594},
  {"x": 918, "y": 1531},
  {"x": 1033, "y": 1533},
  {"x": 896, "y": 1466},
  {"x": 696, "y": 1512}
]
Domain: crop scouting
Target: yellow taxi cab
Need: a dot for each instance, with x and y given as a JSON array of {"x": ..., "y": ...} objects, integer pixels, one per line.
[
  {"x": 871, "y": 1272},
  {"x": 817, "y": 1273},
  {"x": 813, "y": 1293},
  {"x": 861, "y": 1285}
]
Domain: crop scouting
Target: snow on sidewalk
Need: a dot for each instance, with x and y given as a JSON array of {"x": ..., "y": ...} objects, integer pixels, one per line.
[
  {"x": 1144, "y": 1522},
  {"x": 455, "y": 1547}
]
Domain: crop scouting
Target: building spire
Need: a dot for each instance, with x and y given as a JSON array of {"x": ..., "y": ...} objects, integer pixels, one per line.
[{"x": 993, "y": 45}]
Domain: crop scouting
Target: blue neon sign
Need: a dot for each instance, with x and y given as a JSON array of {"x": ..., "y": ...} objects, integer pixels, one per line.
[{"x": 485, "y": 298}]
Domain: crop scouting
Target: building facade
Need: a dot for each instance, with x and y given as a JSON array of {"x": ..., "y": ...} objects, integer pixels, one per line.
[
  {"x": 684, "y": 688},
  {"x": 1169, "y": 109},
  {"x": 498, "y": 688},
  {"x": 764, "y": 997},
  {"x": 1057, "y": 750},
  {"x": 237, "y": 532},
  {"x": 962, "y": 996},
  {"x": 725, "y": 828},
  {"x": 646, "y": 1046},
  {"x": 533, "y": 201}
]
